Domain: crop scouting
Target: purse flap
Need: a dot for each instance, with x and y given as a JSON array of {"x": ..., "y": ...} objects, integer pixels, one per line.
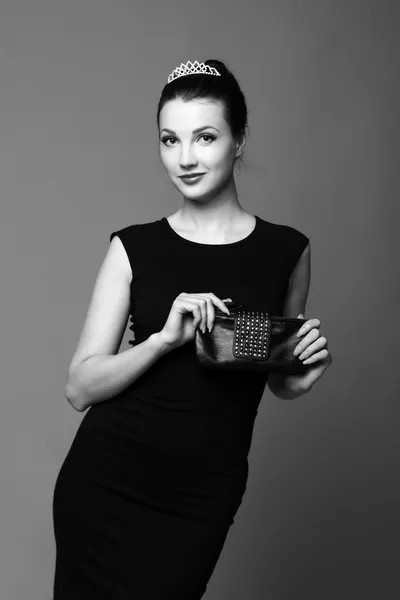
[{"x": 252, "y": 334}]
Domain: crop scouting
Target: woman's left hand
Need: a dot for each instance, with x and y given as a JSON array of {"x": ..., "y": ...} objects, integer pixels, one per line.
[{"x": 312, "y": 350}]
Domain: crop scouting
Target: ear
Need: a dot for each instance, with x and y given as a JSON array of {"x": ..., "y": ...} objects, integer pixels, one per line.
[{"x": 240, "y": 144}]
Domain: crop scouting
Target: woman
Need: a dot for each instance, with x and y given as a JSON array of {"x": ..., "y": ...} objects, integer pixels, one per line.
[{"x": 158, "y": 468}]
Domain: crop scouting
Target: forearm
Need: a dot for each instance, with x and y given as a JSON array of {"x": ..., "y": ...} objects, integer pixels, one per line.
[
  {"x": 101, "y": 377},
  {"x": 285, "y": 387}
]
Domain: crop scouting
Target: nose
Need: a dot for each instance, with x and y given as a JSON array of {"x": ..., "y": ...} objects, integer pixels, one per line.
[{"x": 187, "y": 157}]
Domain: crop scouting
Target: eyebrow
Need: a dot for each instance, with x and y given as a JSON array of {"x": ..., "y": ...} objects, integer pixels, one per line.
[{"x": 194, "y": 130}]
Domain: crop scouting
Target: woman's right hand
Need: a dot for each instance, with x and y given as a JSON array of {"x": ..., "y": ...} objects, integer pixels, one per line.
[{"x": 187, "y": 312}]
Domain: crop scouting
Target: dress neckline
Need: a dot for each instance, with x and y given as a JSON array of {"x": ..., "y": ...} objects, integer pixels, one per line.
[{"x": 192, "y": 243}]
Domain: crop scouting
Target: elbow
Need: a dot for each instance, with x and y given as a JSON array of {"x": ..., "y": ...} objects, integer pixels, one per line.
[
  {"x": 284, "y": 387},
  {"x": 74, "y": 398}
]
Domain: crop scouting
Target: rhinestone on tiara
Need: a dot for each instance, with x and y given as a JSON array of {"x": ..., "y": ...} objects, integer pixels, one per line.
[{"x": 192, "y": 69}]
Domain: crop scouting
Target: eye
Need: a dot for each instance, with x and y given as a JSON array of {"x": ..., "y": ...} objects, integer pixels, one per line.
[
  {"x": 203, "y": 135},
  {"x": 208, "y": 135},
  {"x": 165, "y": 139}
]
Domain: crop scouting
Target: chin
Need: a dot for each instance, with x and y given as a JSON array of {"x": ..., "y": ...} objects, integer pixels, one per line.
[{"x": 187, "y": 190}]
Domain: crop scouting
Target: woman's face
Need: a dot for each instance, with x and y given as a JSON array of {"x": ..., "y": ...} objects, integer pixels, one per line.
[{"x": 195, "y": 138}]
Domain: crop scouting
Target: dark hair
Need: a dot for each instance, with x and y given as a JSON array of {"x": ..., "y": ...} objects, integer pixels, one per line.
[{"x": 224, "y": 90}]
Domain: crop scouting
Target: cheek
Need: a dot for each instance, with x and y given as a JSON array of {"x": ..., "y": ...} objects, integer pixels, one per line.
[
  {"x": 221, "y": 163},
  {"x": 214, "y": 158},
  {"x": 222, "y": 155}
]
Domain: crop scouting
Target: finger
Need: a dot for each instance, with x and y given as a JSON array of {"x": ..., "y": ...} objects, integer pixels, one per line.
[
  {"x": 214, "y": 299},
  {"x": 306, "y": 341},
  {"x": 316, "y": 346},
  {"x": 202, "y": 304},
  {"x": 196, "y": 315},
  {"x": 220, "y": 303},
  {"x": 308, "y": 325},
  {"x": 316, "y": 357},
  {"x": 191, "y": 304},
  {"x": 208, "y": 314}
]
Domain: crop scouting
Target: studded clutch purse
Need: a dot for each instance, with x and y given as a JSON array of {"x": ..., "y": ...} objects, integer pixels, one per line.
[{"x": 250, "y": 340}]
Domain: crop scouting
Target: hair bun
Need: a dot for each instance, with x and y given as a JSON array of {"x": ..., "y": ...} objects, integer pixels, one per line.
[{"x": 217, "y": 64}]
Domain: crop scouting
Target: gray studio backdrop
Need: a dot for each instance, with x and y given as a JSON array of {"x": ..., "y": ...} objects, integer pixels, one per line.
[{"x": 79, "y": 85}]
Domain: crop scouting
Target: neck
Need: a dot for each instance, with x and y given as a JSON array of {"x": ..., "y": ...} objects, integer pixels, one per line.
[{"x": 222, "y": 209}]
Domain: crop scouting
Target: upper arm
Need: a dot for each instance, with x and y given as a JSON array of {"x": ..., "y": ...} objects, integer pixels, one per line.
[
  {"x": 299, "y": 285},
  {"x": 108, "y": 310}
]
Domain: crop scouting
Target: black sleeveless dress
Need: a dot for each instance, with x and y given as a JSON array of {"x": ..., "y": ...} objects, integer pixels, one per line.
[{"x": 155, "y": 475}]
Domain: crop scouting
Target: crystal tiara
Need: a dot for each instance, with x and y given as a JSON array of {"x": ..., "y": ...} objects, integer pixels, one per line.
[{"x": 192, "y": 69}]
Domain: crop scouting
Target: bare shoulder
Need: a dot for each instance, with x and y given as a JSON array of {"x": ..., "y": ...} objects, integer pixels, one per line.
[
  {"x": 117, "y": 256},
  {"x": 299, "y": 285},
  {"x": 108, "y": 310}
]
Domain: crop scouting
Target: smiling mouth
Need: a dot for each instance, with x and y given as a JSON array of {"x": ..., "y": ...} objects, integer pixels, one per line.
[
  {"x": 191, "y": 176},
  {"x": 192, "y": 180}
]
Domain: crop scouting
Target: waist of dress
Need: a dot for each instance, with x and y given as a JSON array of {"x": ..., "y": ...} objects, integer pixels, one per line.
[{"x": 203, "y": 439}]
